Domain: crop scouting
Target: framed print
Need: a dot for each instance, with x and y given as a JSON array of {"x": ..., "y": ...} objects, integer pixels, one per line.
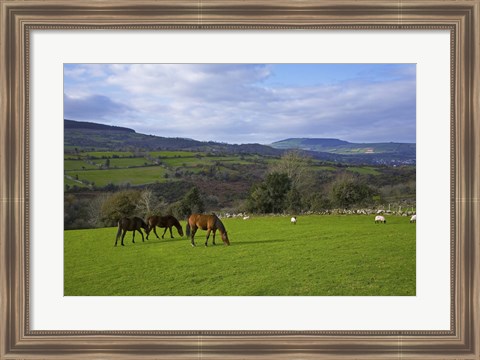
[{"x": 77, "y": 77}]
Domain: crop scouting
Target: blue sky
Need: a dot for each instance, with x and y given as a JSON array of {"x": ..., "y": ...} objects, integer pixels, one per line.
[{"x": 247, "y": 103}]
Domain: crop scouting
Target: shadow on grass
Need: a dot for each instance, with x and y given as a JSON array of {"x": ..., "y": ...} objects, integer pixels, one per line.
[
  {"x": 234, "y": 243},
  {"x": 202, "y": 243},
  {"x": 166, "y": 240},
  {"x": 152, "y": 241}
]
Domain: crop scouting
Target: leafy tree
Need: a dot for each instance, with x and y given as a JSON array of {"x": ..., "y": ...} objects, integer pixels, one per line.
[
  {"x": 348, "y": 191},
  {"x": 259, "y": 201},
  {"x": 75, "y": 212},
  {"x": 194, "y": 201},
  {"x": 118, "y": 205},
  {"x": 191, "y": 203},
  {"x": 293, "y": 201},
  {"x": 297, "y": 166},
  {"x": 319, "y": 202},
  {"x": 270, "y": 195}
]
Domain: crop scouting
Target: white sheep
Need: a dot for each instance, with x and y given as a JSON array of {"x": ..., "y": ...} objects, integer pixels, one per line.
[{"x": 380, "y": 219}]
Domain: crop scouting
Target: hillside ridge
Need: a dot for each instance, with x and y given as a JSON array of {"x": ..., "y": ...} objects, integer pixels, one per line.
[
  {"x": 73, "y": 124},
  {"x": 113, "y": 138},
  {"x": 337, "y": 146}
]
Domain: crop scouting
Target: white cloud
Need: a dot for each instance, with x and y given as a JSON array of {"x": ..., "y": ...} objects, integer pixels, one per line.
[{"x": 233, "y": 103}]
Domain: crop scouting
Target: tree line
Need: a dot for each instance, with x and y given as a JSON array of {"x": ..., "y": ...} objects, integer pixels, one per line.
[{"x": 290, "y": 185}]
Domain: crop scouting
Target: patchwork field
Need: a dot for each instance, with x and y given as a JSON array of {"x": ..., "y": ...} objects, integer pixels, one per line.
[
  {"x": 131, "y": 176},
  {"x": 88, "y": 169},
  {"x": 268, "y": 256}
]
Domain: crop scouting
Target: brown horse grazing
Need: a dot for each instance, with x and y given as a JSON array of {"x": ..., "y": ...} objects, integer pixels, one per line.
[
  {"x": 166, "y": 222},
  {"x": 206, "y": 222},
  {"x": 130, "y": 224}
]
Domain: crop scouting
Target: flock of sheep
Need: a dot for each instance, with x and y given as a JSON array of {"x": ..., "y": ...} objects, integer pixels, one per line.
[
  {"x": 378, "y": 219},
  {"x": 381, "y": 219}
]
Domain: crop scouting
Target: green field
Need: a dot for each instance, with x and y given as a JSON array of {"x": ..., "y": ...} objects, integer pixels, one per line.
[
  {"x": 320, "y": 256},
  {"x": 133, "y": 176},
  {"x": 170, "y": 154},
  {"x": 138, "y": 170},
  {"x": 209, "y": 160},
  {"x": 365, "y": 170},
  {"x": 142, "y": 169}
]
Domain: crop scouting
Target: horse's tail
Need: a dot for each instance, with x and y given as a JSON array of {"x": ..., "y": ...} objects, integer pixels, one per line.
[
  {"x": 187, "y": 229},
  {"x": 119, "y": 232}
]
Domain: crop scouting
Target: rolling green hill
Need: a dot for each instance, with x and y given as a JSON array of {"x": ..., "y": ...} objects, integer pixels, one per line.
[
  {"x": 225, "y": 174},
  {"x": 340, "y": 151},
  {"x": 98, "y": 137},
  {"x": 109, "y": 138},
  {"x": 72, "y": 124},
  {"x": 337, "y": 146}
]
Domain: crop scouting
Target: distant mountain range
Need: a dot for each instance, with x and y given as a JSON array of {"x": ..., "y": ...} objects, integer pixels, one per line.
[
  {"x": 336, "y": 146},
  {"x": 88, "y": 135},
  {"x": 72, "y": 124},
  {"x": 105, "y": 137}
]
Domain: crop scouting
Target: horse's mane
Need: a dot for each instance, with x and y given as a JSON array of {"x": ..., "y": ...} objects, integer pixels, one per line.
[
  {"x": 218, "y": 224},
  {"x": 176, "y": 223}
]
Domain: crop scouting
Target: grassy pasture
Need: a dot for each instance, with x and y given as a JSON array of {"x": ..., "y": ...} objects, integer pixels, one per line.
[
  {"x": 365, "y": 170},
  {"x": 139, "y": 170},
  {"x": 128, "y": 162},
  {"x": 109, "y": 154},
  {"x": 320, "y": 256},
  {"x": 95, "y": 164},
  {"x": 71, "y": 182},
  {"x": 133, "y": 176},
  {"x": 97, "y": 154},
  {"x": 171, "y": 154},
  {"x": 210, "y": 160},
  {"x": 70, "y": 165}
]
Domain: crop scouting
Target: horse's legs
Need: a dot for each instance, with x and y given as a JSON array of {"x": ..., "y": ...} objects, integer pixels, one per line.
[
  {"x": 208, "y": 235},
  {"x": 171, "y": 235},
  {"x": 133, "y": 237},
  {"x": 155, "y": 231},
  {"x": 214, "y": 232},
  {"x": 192, "y": 237},
  {"x": 149, "y": 230},
  {"x": 141, "y": 233},
  {"x": 123, "y": 235},
  {"x": 164, "y": 232}
]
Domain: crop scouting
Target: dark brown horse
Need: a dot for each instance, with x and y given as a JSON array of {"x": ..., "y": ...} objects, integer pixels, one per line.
[
  {"x": 166, "y": 222},
  {"x": 206, "y": 222},
  {"x": 130, "y": 224}
]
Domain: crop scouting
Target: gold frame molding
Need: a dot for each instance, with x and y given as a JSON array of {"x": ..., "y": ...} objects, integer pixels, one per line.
[{"x": 19, "y": 17}]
